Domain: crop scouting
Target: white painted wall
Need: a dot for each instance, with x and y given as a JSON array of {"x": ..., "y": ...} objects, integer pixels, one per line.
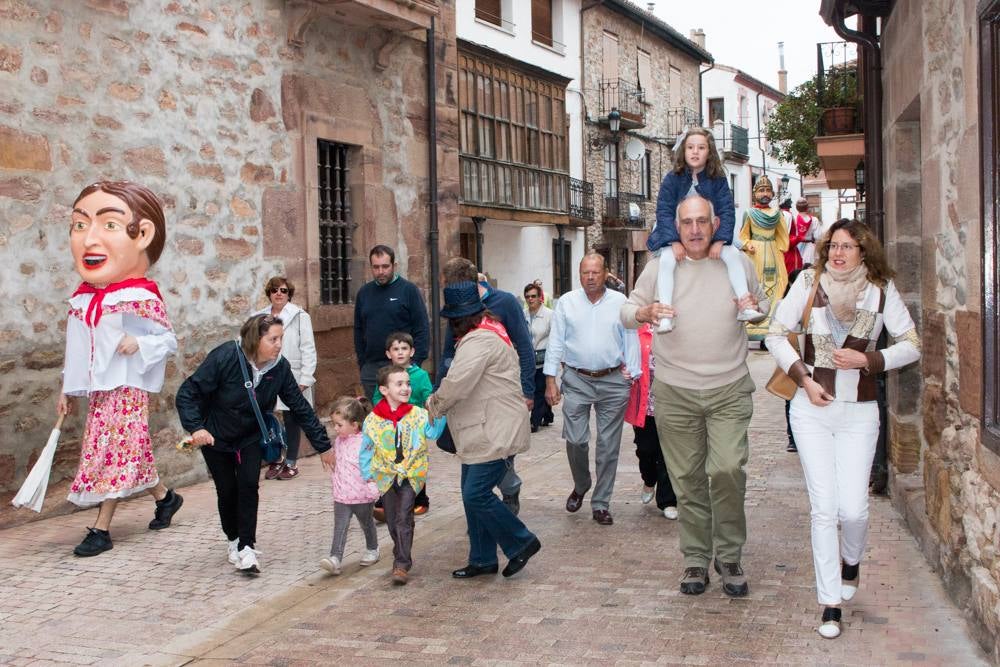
[{"x": 517, "y": 255}]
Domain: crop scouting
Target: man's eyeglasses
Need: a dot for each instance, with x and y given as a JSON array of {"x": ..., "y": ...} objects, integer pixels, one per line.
[
  {"x": 530, "y": 296},
  {"x": 846, "y": 247},
  {"x": 274, "y": 290}
]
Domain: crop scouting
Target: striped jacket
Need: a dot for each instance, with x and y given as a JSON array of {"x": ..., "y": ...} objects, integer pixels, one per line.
[{"x": 876, "y": 308}]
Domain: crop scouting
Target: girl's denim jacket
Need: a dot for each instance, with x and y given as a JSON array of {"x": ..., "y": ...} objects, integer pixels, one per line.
[{"x": 674, "y": 187}]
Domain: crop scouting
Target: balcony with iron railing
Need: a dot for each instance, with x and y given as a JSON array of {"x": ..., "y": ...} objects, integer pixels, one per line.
[
  {"x": 624, "y": 209},
  {"x": 497, "y": 184},
  {"x": 627, "y": 98},
  {"x": 732, "y": 140},
  {"x": 840, "y": 139},
  {"x": 581, "y": 201},
  {"x": 679, "y": 119}
]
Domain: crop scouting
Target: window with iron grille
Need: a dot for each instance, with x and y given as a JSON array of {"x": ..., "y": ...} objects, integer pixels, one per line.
[{"x": 336, "y": 223}]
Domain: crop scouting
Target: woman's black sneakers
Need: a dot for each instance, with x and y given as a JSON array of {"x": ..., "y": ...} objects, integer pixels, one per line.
[
  {"x": 165, "y": 510},
  {"x": 97, "y": 541}
]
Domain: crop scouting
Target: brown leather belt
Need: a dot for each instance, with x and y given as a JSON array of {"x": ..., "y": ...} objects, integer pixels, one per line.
[{"x": 595, "y": 374}]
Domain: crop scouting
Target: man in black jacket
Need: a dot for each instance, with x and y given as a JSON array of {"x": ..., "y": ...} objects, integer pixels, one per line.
[{"x": 387, "y": 304}]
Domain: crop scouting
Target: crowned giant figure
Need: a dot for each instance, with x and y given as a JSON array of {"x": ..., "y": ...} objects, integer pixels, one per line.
[{"x": 764, "y": 237}]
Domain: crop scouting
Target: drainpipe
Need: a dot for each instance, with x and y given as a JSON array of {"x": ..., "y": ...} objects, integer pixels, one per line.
[
  {"x": 875, "y": 209},
  {"x": 432, "y": 186},
  {"x": 867, "y": 39}
]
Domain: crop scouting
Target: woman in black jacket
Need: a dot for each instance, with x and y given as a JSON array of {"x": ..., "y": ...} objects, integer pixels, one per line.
[{"x": 215, "y": 409}]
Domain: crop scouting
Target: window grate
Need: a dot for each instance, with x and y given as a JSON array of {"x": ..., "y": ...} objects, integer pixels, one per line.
[{"x": 336, "y": 224}]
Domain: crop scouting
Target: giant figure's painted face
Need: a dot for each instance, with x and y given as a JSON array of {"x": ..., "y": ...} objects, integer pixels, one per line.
[{"x": 103, "y": 251}]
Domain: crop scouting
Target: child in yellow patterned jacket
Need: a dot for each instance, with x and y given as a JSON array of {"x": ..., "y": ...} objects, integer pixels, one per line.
[{"x": 394, "y": 455}]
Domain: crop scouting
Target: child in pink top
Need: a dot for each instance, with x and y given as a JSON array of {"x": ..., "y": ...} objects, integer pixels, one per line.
[{"x": 352, "y": 495}]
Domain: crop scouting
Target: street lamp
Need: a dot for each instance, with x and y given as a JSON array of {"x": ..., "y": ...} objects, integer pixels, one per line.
[
  {"x": 614, "y": 120},
  {"x": 784, "y": 183},
  {"x": 859, "y": 179}
]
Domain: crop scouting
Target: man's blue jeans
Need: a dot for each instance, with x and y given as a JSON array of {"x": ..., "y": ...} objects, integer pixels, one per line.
[{"x": 491, "y": 523}]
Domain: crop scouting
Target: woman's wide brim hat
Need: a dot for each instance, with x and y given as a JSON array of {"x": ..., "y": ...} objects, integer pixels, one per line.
[{"x": 461, "y": 300}]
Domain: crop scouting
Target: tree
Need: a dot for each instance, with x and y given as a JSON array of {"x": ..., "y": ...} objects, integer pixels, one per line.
[{"x": 793, "y": 125}]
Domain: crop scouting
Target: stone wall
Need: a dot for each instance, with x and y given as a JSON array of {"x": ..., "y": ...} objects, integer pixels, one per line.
[
  {"x": 943, "y": 479},
  {"x": 659, "y": 132},
  {"x": 207, "y": 103}
]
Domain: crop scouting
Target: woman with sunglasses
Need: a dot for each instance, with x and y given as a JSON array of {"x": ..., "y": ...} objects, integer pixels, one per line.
[
  {"x": 299, "y": 348},
  {"x": 834, "y": 415},
  {"x": 215, "y": 408}
]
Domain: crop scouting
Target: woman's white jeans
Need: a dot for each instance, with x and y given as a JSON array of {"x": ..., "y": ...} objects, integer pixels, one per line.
[{"x": 836, "y": 446}]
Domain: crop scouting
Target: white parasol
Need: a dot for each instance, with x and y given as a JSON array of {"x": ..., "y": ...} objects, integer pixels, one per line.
[{"x": 32, "y": 492}]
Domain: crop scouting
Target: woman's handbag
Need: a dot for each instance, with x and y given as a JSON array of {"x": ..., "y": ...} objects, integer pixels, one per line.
[
  {"x": 272, "y": 435},
  {"x": 780, "y": 384}
]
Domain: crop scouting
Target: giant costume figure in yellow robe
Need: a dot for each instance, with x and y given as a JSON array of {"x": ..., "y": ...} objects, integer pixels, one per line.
[{"x": 764, "y": 237}]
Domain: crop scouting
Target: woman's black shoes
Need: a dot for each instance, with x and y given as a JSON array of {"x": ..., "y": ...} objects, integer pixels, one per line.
[
  {"x": 97, "y": 541},
  {"x": 165, "y": 510},
  {"x": 830, "y": 627},
  {"x": 471, "y": 570}
]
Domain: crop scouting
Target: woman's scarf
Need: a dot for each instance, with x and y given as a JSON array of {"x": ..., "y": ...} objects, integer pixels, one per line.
[
  {"x": 842, "y": 289},
  {"x": 495, "y": 327}
]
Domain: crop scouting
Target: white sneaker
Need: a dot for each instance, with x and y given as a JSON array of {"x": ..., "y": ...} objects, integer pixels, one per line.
[
  {"x": 371, "y": 557},
  {"x": 247, "y": 562},
  {"x": 234, "y": 550},
  {"x": 749, "y": 315},
  {"x": 670, "y": 513},
  {"x": 647, "y": 494},
  {"x": 331, "y": 564},
  {"x": 666, "y": 325}
]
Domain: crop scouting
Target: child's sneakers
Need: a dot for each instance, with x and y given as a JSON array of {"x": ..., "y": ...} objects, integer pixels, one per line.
[
  {"x": 749, "y": 315},
  {"x": 666, "y": 325},
  {"x": 371, "y": 557},
  {"x": 331, "y": 564}
]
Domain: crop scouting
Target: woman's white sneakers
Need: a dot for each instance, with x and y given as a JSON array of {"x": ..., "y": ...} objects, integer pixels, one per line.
[
  {"x": 370, "y": 557},
  {"x": 670, "y": 512},
  {"x": 666, "y": 325},
  {"x": 248, "y": 563},
  {"x": 647, "y": 494},
  {"x": 331, "y": 564},
  {"x": 830, "y": 628},
  {"x": 234, "y": 551}
]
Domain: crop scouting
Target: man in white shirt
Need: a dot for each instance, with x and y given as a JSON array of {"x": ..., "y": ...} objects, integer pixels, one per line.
[
  {"x": 600, "y": 359},
  {"x": 703, "y": 398}
]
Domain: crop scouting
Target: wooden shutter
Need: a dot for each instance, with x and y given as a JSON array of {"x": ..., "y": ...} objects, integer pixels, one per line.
[
  {"x": 541, "y": 21},
  {"x": 489, "y": 10},
  {"x": 610, "y": 65},
  {"x": 645, "y": 75}
]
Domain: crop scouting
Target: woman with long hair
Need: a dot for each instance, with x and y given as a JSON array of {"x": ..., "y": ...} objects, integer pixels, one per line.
[{"x": 834, "y": 415}]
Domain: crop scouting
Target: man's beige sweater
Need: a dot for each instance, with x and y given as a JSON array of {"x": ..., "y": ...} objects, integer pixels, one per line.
[{"x": 708, "y": 346}]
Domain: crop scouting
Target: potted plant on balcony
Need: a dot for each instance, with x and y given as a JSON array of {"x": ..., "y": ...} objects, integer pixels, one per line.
[{"x": 838, "y": 97}]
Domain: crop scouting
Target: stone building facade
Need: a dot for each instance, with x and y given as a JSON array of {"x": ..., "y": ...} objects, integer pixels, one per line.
[
  {"x": 639, "y": 65},
  {"x": 945, "y": 459},
  {"x": 223, "y": 109}
]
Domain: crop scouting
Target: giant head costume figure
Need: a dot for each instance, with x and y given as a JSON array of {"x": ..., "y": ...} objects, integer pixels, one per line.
[
  {"x": 117, "y": 232},
  {"x": 763, "y": 192}
]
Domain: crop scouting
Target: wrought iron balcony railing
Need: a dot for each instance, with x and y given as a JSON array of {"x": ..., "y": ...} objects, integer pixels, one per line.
[
  {"x": 679, "y": 119},
  {"x": 514, "y": 186},
  {"x": 732, "y": 139},
  {"x": 626, "y": 98},
  {"x": 581, "y": 200},
  {"x": 624, "y": 210}
]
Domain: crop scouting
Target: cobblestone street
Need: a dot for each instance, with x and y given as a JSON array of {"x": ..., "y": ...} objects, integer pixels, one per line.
[{"x": 594, "y": 595}]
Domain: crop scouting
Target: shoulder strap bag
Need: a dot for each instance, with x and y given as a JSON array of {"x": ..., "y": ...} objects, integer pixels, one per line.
[
  {"x": 272, "y": 435},
  {"x": 780, "y": 384}
]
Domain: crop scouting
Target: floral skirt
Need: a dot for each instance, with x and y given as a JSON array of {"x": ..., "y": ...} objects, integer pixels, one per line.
[{"x": 116, "y": 456}]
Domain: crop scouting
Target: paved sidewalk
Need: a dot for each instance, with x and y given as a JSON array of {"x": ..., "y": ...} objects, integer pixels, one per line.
[{"x": 594, "y": 595}]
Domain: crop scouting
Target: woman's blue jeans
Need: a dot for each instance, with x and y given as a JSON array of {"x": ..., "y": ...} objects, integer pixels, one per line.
[{"x": 490, "y": 522}]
